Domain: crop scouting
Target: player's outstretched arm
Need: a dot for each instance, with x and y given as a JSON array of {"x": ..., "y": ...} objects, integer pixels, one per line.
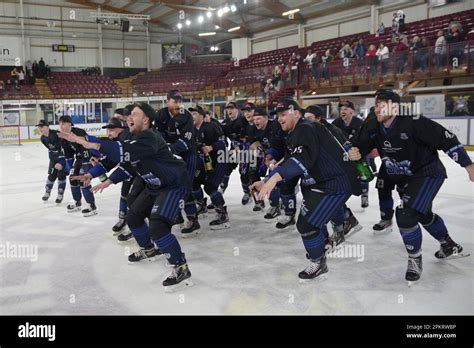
[{"x": 100, "y": 187}]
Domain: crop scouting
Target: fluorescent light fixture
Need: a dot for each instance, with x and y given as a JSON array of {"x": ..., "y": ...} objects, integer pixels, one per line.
[
  {"x": 200, "y": 19},
  {"x": 207, "y": 34},
  {"x": 216, "y": 27},
  {"x": 220, "y": 12},
  {"x": 233, "y": 29},
  {"x": 233, "y": 8},
  {"x": 179, "y": 25},
  {"x": 226, "y": 9},
  {"x": 287, "y": 13},
  {"x": 245, "y": 2},
  {"x": 209, "y": 14},
  {"x": 188, "y": 22}
]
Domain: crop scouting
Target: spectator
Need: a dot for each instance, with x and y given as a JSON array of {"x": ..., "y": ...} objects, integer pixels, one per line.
[
  {"x": 311, "y": 63},
  {"x": 28, "y": 67},
  {"x": 440, "y": 50},
  {"x": 454, "y": 23},
  {"x": 269, "y": 88},
  {"x": 395, "y": 27},
  {"x": 401, "y": 21},
  {"x": 35, "y": 68},
  {"x": 41, "y": 68},
  {"x": 400, "y": 50},
  {"x": 21, "y": 77},
  {"x": 454, "y": 39},
  {"x": 14, "y": 74},
  {"x": 424, "y": 53},
  {"x": 47, "y": 71},
  {"x": 372, "y": 60},
  {"x": 359, "y": 51},
  {"x": 293, "y": 63},
  {"x": 415, "y": 47},
  {"x": 326, "y": 59},
  {"x": 383, "y": 55},
  {"x": 380, "y": 30},
  {"x": 345, "y": 51}
]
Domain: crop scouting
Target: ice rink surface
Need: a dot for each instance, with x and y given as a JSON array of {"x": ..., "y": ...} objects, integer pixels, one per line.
[{"x": 251, "y": 268}]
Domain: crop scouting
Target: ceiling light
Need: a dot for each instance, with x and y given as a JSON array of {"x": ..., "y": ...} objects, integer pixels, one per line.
[
  {"x": 216, "y": 27},
  {"x": 200, "y": 19},
  {"x": 207, "y": 34},
  {"x": 233, "y": 8},
  {"x": 287, "y": 13},
  {"x": 179, "y": 25},
  {"x": 209, "y": 14},
  {"x": 188, "y": 22},
  {"x": 220, "y": 12},
  {"x": 226, "y": 9},
  {"x": 233, "y": 29},
  {"x": 245, "y": 2}
]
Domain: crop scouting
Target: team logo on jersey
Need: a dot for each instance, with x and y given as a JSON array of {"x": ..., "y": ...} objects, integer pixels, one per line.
[
  {"x": 449, "y": 135},
  {"x": 154, "y": 209},
  {"x": 403, "y": 136},
  {"x": 387, "y": 143}
]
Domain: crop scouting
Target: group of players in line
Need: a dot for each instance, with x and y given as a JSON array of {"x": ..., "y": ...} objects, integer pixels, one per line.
[{"x": 167, "y": 159}]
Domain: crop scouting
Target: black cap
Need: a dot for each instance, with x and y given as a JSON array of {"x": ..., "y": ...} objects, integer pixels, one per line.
[
  {"x": 198, "y": 109},
  {"x": 231, "y": 104},
  {"x": 347, "y": 104},
  {"x": 127, "y": 110},
  {"x": 260, "y": 112},
  {"x": 286, "y": 104},
  {"x": 249, "y": 106},
  {"x": 147, "y": 110},
  {"x": 66, "y": 119},
  {"x": 119, "y": 111},
  {"x": 42, "y": 123},
  {"x": 386, "y": 94},
  {"x": 114, "y": 123},
  {"x": 316, "y": 110},
  {"x": 175, "y": 94}
]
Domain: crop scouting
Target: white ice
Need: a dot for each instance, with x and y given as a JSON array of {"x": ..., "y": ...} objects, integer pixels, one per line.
[{"x": 250, "y": 268}]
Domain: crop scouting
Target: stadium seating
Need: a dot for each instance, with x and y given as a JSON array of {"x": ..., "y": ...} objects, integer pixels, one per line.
[{"x": 64, "y": 84}]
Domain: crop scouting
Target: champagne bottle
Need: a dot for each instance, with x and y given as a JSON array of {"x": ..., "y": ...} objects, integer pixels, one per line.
[
  {"x": 362, "y": 167},
  {"x": 208, "y": 163}
]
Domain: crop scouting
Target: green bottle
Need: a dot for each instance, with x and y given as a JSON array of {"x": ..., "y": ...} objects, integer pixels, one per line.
[
  {"x": 362, "y": 167},
  {"x": 208, "y": 163}
]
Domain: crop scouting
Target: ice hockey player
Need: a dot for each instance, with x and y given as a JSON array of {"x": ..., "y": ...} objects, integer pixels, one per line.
[
  {"x": 235, "y": 128},
  {"x": 176, "y": 125},
  {"x": 211, "y": 146},
  {"x": 315, "y": 113},
  {"x": 56, "y": 168},
  {"x": 350, "y": 124},
  {"x": 327, "y": 181},
  {"x": 165, "y": 181},
  {"x": 78, "y": 162},
  {"x": 408, "y": 147}
]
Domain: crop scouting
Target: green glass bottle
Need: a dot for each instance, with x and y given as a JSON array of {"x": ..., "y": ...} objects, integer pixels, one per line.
[
  {"x": 208, "y": 163},
  {"x": 362, "y": 167}
]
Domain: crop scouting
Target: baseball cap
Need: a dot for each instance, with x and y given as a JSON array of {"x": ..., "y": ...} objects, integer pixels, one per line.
[
  {"x": 316, "y": 110},
  {"x": 286, "y": 104},
  {"x": 260, "y": 112},
  {"x": 114, "y": 123},
  {"x": 175, "y": 94},
  {"x": 66, "y": 119},
  {"x": 386, "y": 94},
  {"x": 347, "y": 104},
  {"x": 42, "y": 123},
  {"x": 231, "y": 105},
  {"x": 198, "y": 109},
  {"x": 249, "y": 106}
]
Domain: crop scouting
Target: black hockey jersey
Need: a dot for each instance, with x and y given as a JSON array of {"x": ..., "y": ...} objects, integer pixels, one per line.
[
  {"x": 236, "y": 130},
  {"x": 75, "y": 151},
  {"x": 408, "y": 148},
  {"x": 53, "y": 144},
  {"x": 272, "y": 138},
  {"x": 313, "y": 154},
  {"x": 149, "y": 156},
  {"x": 351, "y": 129}
]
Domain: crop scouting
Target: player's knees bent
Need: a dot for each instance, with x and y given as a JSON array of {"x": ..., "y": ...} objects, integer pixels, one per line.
[
  {"x": 134, "y": 220},
  {"x": 53, "y": 176},
  {"x": 210, "y": 188},
  {"x": 62, "y": 175},
  {"x": 74, "y": 182},
  {"x": 304, "y": 228},
  {"x": 406, "y": 217},
  {"x": 159, "y": 227},
  {"x": 426, "y": 219}
]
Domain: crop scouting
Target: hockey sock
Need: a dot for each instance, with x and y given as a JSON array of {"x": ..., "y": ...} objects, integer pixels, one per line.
[
  {"x": 142, "y": 237},
  {"x": 274, "y": 197},
  {"x": 412, "y": 239},
  {"x": 217, "y": 199},
  {"x": 76, "y": 193},
  {"x": 169, "y": 246},
  {"x": 436, "y": 228}
]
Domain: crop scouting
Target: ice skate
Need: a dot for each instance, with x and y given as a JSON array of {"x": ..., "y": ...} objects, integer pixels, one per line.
[
  {"x": 272, "y": 213},
  {"x": 91, "y": 210},
  {"x": 119, "y": 226},
  {"x": 179, "y": 277},
  {"x": 73, "y": 207},
  {"x": 414, "y": 270},
  {"x": 285, "y": 222},
  {"x": 144, "y": 255},
  {"x": 191, "y": 227},
  {"x": 46, "y": 196},
  {"x": 351, "y": 224},
  {"x": 383, "y": 226},
  {"x": 316, "y": 270},
  {"x": 221, "y": 221},
  {"x": 450, "y": 250},
  {"x": 59, "y": 198}
]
